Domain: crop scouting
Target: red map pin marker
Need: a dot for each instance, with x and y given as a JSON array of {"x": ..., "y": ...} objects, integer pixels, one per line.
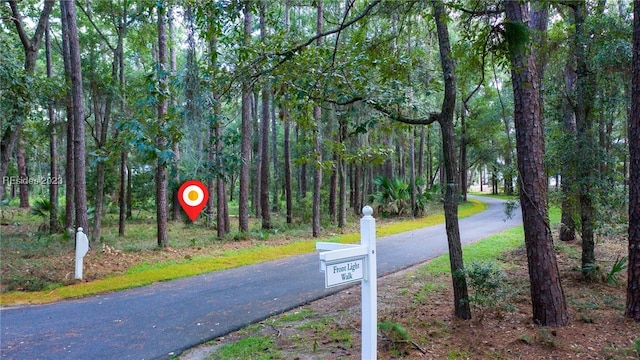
[{"x": 193, "y": 196}]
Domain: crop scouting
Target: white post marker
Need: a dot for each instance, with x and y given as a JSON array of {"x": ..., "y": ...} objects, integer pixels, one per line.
[
  {"x": 343, "y": 264},
  {"x": 82, "y": 247}
]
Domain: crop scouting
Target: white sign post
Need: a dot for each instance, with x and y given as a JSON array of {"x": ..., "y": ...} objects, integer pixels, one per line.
[
  {"x": 343, "y": 264},
  {"x": 82, "y": 247}
]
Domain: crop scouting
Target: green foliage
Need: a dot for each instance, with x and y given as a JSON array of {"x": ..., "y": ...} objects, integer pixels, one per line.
[
  {"x": 517, "y": 35},
  {"x": 618, "y": 266},
  {"x": 301, "y": 314},
  {"x": 488, "y": 248},
  {"x": 487, "y": 280},
  {"x": 42, "y": 208},
  {"x": 392, "y": 198},
  {"x": 253, "y": 347},
  {"x": 394, "y": 330},
  {"x": 510, "y": 207},
  {"x": 395, "y": 336}
]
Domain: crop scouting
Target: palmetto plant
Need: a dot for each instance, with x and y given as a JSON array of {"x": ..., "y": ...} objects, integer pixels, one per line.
[
  {"x": 393, "y": 196},
  {"x": 42, "y": 208}
]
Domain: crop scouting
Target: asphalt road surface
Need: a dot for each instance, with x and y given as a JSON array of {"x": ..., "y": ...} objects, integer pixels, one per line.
[{"x": 162, "y": 320}]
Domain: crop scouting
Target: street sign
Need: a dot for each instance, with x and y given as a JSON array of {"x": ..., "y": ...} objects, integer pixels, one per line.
[{"x": 344, "y": 272}]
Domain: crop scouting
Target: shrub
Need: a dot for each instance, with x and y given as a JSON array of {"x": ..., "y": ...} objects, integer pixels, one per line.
[{"x": 486, "y": 279}]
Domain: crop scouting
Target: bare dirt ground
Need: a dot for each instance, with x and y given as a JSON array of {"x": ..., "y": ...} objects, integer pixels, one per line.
[{"x": 422, "y": 304}]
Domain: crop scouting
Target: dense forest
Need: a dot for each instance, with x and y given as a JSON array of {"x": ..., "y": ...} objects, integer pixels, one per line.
[{"x": 310, "y": 110}]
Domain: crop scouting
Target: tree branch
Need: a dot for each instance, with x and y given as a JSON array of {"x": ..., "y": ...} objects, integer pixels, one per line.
[
  {"x": 345, "y": 25},
  {"x": 393, "y": 115},
  {"x": 484, "y": 54},
  {"x": 17, "y": 20},
  {"x": 42, "y": 25},
  {"x": 106, "y": 40},
  {"x": 350, "y": 4},
  {"x": 31, "y": 45},
  {"x": 481, "y": 12},
  {"x": 286, "y": 55}
]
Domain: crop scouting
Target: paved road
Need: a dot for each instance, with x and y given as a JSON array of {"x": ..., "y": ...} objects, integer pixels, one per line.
[{"x": 164, "y": 319}]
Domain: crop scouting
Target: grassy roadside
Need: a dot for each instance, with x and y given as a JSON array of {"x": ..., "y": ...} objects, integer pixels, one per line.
[{"x": 231, "y": 259}]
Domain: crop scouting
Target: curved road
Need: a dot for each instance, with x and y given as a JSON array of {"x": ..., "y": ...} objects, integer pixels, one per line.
[{"x": 162, "y": 320}]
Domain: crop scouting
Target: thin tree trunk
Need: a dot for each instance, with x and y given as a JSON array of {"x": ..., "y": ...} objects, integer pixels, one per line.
[
  {"x": 587, "y": 167},
  {"x": 333, "y": 180},
  {"x": 221, "y": 189},
  {"x": 412, "y": 175},
  {"x": 70, "y": 202},
  {"x": 463, "y": 154},
  {"x": 102, "y": 117},
  {"x": 317, "y": 144},
  {"x": 569, "y": 199},
  {"x": 632, "y": 309},
  {"x": 122, "y": 196},
  {"x": 129, "y": 193},
  {"x": 508, "y": 175},
  {"x": 162, "y": 180},
  {"x": 423, "y": 131},
  {"x": 277, "y": 180},
  {"x": 342, "y": 171},
  {"x": 245, "y": 150},
  {"x": 103, "y": 125},
  {"x": 69, "y": 15},
  {"x": 53, "y": 162},
  {"x": 430, "y": 175},
  {"x": 547, "y": 296},
  {"x": 264, "y": 137},
  {"x": 284, "y": 117},
  {"x": 212, "y": 154},
  {"x": 355, "y": 189},
  {"x": 302, "y": 170},
  {"x": 460, "y": 292},
  {"x": 175, "y": 181},
  {"x": 23, "y": 187},
  {"x": 256, "y": 155},
  {"x": 288, "y": 188}
]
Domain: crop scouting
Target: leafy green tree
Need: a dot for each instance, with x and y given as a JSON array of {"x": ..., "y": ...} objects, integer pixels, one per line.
[{"x": 31, "y": 46}]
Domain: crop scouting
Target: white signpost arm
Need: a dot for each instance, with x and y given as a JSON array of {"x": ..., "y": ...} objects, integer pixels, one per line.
[
  {"x": 369, "y": 287},
  {"x": 350, "y": 252}
]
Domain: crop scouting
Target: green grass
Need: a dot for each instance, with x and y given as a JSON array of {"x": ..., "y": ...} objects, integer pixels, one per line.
[
  {"x": 488, "y": 248},
  {"x": 254, "y": 347},
  {"x": 146, "y": 274},
  {"x": 301, "y": 314}
]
